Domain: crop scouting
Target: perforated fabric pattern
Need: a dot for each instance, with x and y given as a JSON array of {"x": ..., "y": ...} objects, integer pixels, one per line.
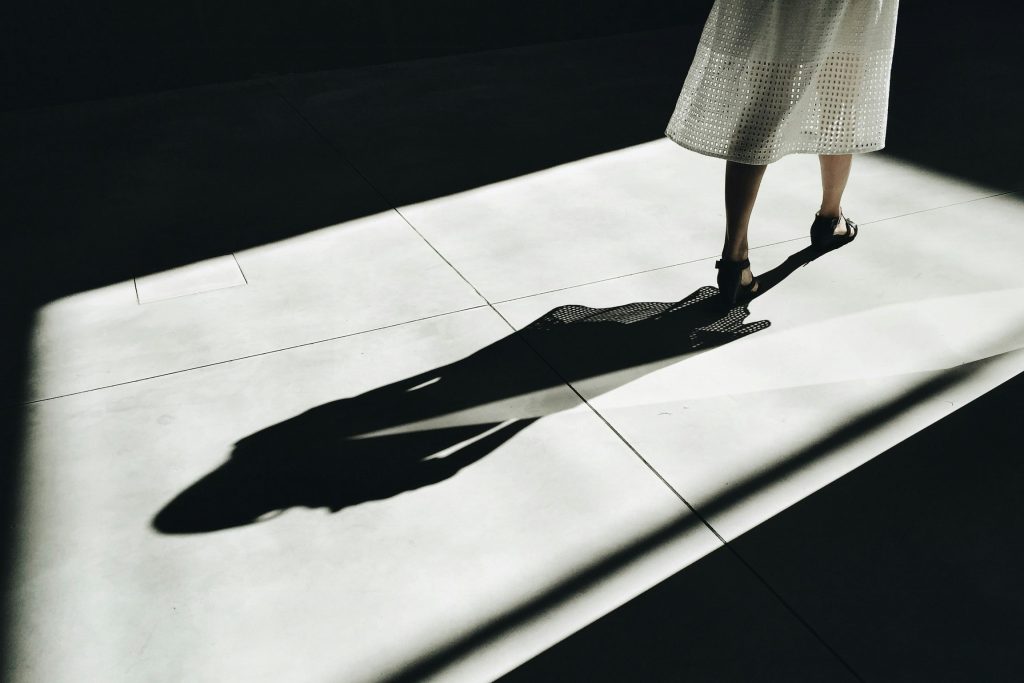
[{"x": 777, "y": 77}]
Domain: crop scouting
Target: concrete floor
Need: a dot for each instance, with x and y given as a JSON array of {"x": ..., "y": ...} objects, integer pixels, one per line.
[{"x": 403, "y": 421}]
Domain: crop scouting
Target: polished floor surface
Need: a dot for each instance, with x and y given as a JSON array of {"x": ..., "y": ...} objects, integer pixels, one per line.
[{"x": 335, "y": 377}]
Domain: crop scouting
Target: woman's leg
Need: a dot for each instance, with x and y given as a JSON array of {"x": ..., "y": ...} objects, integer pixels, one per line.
[
  {"x": 835, "y": 171},
  {"x": 741, "y": 184}
]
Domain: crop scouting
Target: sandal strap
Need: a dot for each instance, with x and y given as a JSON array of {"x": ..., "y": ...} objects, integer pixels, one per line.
[
  {"x": 825, "y": 227},
  {"x": 851, "y": 230},
  {"x": 732, "y": 265}
]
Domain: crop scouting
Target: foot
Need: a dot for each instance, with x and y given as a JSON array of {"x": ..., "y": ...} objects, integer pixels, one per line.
[
  {"x": 736, "y": 283},
  {"x": 842, "y": 228},
  {"x": 746, "y": 278},
  {"x": 830, "y": 230}
]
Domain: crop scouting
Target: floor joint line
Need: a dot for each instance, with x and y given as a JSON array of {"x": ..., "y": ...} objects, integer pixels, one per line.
[
  {"x": 792, "y": 611},
  {"x": 249, "y": 356},
  {"x": 340, "y": 152},
  {"x": 708, "y": 258},
  {"x": 239, "y": 266},
  {"x": 696, "y": 513},
  {"x": 936, "y": 208}
]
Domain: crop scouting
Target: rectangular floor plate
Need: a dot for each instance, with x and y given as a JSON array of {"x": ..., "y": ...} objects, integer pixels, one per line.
[{"x": 205, "y": 276}]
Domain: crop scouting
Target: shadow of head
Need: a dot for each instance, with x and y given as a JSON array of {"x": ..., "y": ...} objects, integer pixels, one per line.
[
  {"x": 335, "y": 455},
  {"x": 302, "y": 463}
]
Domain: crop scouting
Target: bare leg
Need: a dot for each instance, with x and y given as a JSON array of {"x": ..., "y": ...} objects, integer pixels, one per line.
[
  {"x": 742, "y": 182},
  {"x": 835, "y": 171}
]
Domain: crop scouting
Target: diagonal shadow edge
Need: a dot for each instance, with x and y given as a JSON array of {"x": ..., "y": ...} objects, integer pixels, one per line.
[{"x": 589, "y": 576}]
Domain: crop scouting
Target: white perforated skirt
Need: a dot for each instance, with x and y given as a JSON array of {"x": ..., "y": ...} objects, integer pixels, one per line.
[{"x": 778, "y": 77}]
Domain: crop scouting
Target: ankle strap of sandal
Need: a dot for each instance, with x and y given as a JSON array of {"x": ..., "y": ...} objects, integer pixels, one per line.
[{"x": 732, "y": 265}]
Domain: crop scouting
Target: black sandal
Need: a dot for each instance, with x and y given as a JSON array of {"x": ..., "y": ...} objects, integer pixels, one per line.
[
  {"x": 731, "y": 291},
  {"x": 823, "y": 231}
]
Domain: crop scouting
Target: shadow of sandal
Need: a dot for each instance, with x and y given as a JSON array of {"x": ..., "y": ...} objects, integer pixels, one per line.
[{"x": 773, "y": 277}]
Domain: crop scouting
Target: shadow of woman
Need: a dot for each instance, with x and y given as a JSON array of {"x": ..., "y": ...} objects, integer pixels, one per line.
[{"x": 424, "y": 429}]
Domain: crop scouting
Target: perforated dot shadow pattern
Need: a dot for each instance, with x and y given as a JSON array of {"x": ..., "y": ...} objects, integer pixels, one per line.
[
  {"x": 703, "y": 323},
  {"x": 777, "y": 77}
]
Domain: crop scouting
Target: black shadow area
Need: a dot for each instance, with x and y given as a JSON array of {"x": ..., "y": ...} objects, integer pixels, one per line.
[
  {"x": 957, "y": 91},
  {"x": 330, "y": 456},
  {"x": 909, "y": 567},
  {"x": 713, "y": 622},
  {"x": 100, "y": 192},
  {"x": 430, "y": 128},
  {"x": 67, "y": 51}
]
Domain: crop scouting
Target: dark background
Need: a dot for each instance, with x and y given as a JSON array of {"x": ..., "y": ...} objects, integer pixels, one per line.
[{"x": 70, "y": 50}]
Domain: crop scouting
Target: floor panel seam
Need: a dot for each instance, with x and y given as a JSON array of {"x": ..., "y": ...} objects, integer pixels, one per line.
[
  {"x": 337, "y": 149},
  {"x": 792, "y": 611},
  {"x": 251, "y": 355},
  {"x": 708, "y": 258},
  {"x": 331, "y": 144},
  {"x": 568, "y": 383},
  {"x": 693, "y": 510},
  {"x": 726, "y": 544},
  {"x": 937, "y": 208},
  {"x": 238, "y": 265},
  {"x": 392, "y": 206}
]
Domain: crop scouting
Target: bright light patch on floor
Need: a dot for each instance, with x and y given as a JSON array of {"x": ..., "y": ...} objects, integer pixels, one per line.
[
  {"x": 424, "y": 384},
  {"x": 135, "y": 404}
]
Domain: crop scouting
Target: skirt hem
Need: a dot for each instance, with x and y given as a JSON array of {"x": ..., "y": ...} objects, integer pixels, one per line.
[{"x": 746, "y": 160}]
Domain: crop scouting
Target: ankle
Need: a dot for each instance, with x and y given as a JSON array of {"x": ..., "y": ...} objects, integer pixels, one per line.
[
  {"x": 830, "y": 211},
  {"x": 734, "y": 255}
]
